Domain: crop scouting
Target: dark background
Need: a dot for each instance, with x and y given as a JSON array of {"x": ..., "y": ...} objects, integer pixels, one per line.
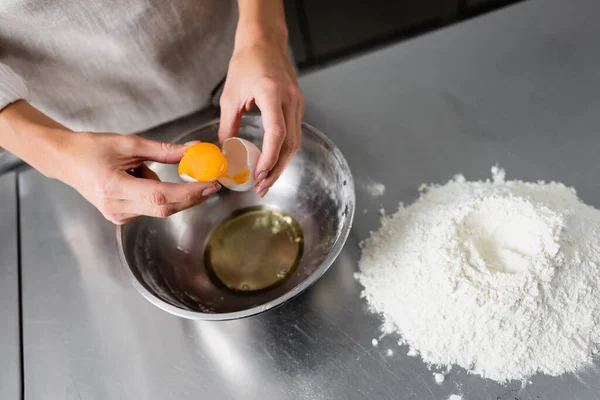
[{"x": 325, "y": 31}]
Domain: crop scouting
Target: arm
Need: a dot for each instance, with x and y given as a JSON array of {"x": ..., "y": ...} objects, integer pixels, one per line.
[
  {"x": 97, "y": 165},
  {"x": 12, "y": 88},
  {"x": 260, "y": 72}
]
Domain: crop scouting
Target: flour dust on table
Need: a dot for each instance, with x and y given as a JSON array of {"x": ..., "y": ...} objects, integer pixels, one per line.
[{"x": 500, "y": 277}]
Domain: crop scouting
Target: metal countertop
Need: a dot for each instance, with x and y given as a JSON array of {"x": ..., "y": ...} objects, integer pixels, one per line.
[
  {"x": 10, "y": 357},
  {"x": 519, "y": 87},
  {"x": 8, "y": 162}
]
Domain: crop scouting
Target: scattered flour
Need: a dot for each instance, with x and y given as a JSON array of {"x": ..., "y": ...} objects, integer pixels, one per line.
[
  {"x": 374, "y": 342},
  {"x": 390, "y": 352},
  {"x": 455, "y": 397},
  {"x": 375, "y": 189},
  {"x": 499, "y": 277},
  {"x": 439, "y": 378}
]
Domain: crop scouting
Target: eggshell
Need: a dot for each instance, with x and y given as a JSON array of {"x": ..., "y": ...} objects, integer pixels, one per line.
[
  {"x": 187, "y": 178},
  {"x": 241, "y": 156}
]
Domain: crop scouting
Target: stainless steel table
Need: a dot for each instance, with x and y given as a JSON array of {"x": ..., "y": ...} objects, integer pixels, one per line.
[
  {"x": 10, "y": 341},
  {"x": 8, "y": 162},
  {"x": 519, "y": 87}
]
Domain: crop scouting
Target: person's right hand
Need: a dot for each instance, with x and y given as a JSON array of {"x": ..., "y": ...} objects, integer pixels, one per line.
[{"x": 101, "y": 166}]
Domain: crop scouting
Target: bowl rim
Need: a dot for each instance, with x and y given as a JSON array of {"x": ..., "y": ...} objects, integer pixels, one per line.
[{"x": 259, "y": 309}]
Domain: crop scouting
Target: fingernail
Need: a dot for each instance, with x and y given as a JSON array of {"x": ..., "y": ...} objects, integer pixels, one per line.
[
  {"x": 262, "y": 185},
  {"x": 261, "y": 177},
  {"x": 264, "y": 192},
  {"x": 188, "y": 144}
]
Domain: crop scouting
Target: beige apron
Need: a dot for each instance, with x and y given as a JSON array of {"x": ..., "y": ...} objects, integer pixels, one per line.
[{"x": 117, "y": 65}]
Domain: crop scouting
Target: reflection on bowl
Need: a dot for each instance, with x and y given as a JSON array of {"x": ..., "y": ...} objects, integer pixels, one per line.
[{"x": 166, "y": 258}]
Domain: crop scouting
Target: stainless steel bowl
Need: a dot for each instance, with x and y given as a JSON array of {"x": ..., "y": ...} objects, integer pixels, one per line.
[{"x": 165, "y": 257}]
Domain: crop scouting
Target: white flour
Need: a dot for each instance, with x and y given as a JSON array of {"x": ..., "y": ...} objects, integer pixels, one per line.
[
  {"x": 499, "y": 277},
  {"x": 373, "y": 188},
  {"x": 439, "y": 378}
]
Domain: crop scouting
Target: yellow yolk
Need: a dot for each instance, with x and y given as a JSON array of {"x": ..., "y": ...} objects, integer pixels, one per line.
[
  {"x": 239, "y": 178},
  {"x": 203, "y": 162}
]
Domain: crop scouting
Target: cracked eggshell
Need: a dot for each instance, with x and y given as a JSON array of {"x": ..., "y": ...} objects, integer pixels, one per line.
[
  {"x": 242, "y": 157},
  {"x": 187, "y": 178}
]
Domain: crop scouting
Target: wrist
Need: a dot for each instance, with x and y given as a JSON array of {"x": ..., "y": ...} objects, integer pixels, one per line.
[
  {"x": 33, "y": 137},
  {"x": 261, "y": 23},
  {"x": 252, "y": 35}
]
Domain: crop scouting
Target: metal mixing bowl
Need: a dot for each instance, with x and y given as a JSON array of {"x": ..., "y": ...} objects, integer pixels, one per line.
[{"x": 165, "y": 257}]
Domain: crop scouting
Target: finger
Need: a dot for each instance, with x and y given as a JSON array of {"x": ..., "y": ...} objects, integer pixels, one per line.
[
  {"x": 229, "y": 124},
  {"x": 286, "y": 153},
  {"x": 163, "y": 210},
  {"x": 114, "y": 212},
  {"x": 122, "y": 219},
  {"x": 301, "y": 109},
  {"x": 162, "y": 152},
  {"x": 268, "y": 101},
  {"x": 151, "y": 192},
  {"x": 299, "y": 115}
]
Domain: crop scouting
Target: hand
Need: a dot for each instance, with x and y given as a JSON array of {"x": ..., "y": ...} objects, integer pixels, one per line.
[
  {"x": 260, "y": 72},
  {"x": 100, "y": 166}
]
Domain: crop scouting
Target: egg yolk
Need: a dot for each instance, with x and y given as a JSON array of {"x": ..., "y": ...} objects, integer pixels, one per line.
[
  {"x": 240, "y": 178},
  {"x": 203, "y": 162}
]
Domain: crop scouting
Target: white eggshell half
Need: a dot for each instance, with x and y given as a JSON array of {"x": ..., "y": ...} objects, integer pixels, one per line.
[
  {"x": 189, "y": 179},
  {"x": 241, "y": 156}
]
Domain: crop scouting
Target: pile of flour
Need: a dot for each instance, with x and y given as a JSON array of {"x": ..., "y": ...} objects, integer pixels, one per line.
[{"x": 499, "y": 277}]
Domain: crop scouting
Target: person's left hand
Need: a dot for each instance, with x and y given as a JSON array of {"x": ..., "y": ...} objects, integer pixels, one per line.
[{"x": 262, "y": 74}]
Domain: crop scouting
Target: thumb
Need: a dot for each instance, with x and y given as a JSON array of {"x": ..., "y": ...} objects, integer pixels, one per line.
[{"x": 162, "y": 152}]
